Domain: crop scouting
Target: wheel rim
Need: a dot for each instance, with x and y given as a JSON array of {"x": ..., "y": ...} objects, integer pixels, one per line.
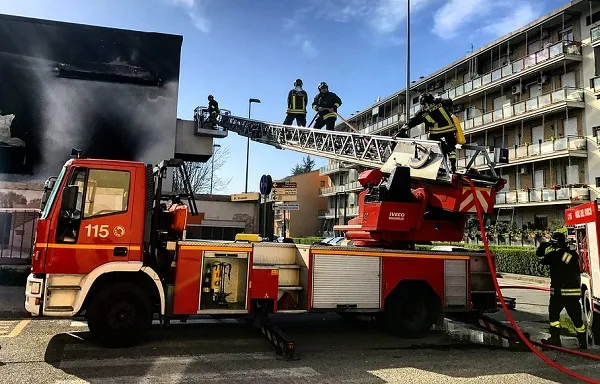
[{"x": 122, "y": 316}]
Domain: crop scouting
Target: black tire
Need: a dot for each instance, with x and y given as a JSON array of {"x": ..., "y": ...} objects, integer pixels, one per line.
[
  {"x": 410, "y": 315},
  {"x": 596, "y": 328},
  {"x": 120, "y": 315}
]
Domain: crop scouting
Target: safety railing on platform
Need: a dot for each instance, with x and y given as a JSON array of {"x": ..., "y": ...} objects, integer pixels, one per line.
[{"x": 17, "y": 234}]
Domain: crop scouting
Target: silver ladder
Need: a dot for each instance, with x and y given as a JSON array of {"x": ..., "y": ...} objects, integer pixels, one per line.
[{"x": 424, "y": 157}]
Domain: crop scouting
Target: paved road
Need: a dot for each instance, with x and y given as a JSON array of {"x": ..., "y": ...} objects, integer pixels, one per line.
[{"x": 331, "y": 350}]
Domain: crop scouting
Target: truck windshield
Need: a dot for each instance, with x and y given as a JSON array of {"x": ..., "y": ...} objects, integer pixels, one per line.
[{"x": 52, "y": 194}]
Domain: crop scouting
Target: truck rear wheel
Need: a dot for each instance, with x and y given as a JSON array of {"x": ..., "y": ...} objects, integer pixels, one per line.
[
  {"x": 120, "y": 315},
  {"x": 410, "y": 315}
]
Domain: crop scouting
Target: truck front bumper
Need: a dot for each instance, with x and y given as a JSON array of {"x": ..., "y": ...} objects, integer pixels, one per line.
[{"x": 33, "y": 294}]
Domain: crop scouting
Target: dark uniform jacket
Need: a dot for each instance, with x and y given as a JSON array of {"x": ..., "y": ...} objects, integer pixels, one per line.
[
  {"x": 327, "y": 100},
  {"x": 437, "y": 117},
  {"x": 213, "y": 106},
  {"x": 565, "y": 278},
  {"x": 297, "y": 101}
]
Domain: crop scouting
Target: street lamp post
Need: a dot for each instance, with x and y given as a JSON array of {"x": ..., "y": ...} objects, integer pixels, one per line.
[
  {"x": 212, "y": 170},
  {"x": 250, "y": 101}
]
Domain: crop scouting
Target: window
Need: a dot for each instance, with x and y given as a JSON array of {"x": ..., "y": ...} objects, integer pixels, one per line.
[
  {"x": 107, "y": 192},
  {"x": 322, "y": 183},
  {"x": 597, "y": 60},
  {"x": 541, "y": 222},
  {"x": 567, "y": 34}
]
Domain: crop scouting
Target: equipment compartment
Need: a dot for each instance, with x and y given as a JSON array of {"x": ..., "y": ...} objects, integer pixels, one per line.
[{"x": 224, "y": 284}]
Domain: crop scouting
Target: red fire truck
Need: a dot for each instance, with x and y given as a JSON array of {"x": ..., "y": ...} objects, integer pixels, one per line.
[
  {"x": 583, "y": 228},
  {"x": 111, "y": 246}
]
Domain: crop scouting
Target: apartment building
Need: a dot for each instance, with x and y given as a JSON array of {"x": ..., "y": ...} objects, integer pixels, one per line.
[
  {"x": 306, "y": 221},
  {"x": 535, "y": 91}
]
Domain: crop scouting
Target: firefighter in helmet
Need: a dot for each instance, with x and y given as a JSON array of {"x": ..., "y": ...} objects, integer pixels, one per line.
[
  {"x": 565, "y": 287},
  {"x": 326, "y": 104},
  {"x": 213, "y": 110},
  {"x": 436, "y": 114},
  {"x": 296, "y": 105}
]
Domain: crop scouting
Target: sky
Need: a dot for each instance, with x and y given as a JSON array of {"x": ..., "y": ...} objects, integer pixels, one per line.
[{"x": 236, "y": 50}]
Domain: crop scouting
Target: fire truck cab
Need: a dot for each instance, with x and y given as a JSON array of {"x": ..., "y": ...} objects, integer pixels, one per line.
[
  {"x": 583, "y": 230},
  {"x": 111, "y": 246}
]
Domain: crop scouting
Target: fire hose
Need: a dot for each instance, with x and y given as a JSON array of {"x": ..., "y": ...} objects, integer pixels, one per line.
[{"x": 530, "y": 344}]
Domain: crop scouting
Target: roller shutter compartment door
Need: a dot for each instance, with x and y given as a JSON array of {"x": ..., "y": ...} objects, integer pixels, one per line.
[{"x": 346, "y": 282}]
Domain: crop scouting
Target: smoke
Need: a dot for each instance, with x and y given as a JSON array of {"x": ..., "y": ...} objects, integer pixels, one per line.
[{"x": 105, "y": 120}]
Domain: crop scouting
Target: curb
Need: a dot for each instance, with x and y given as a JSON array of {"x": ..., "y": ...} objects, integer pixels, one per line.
[{"x": 531, "y": 279}]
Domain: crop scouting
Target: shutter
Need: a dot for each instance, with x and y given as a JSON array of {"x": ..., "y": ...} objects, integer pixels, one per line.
[
  {"x": 352, "y": 281},
  {"x": 455, "y": 283}
]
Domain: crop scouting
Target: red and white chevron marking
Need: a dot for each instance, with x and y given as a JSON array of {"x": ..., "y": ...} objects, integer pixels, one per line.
[{"x": 468, "y": 201}]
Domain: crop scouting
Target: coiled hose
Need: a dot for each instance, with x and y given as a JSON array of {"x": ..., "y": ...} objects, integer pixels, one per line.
[{"x": 512, "y": 321}]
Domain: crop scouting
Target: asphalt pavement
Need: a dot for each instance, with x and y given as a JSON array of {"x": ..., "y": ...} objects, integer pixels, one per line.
[{"x": 330, "y": 350}]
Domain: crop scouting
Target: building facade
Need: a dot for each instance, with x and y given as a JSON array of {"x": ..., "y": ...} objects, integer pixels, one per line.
[
  {"x": 534, "y": 91},
  {"x": 306, "y": 221}
]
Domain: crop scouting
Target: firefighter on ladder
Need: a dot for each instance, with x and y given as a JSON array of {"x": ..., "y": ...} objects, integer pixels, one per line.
[
  {"x": 565, "y": 287},
  {"x": 440, "y": 124},
  {"x": 297, "y": 100},
  {"x": 213, "y": 110},
  {"x": 326, "y": 104}
]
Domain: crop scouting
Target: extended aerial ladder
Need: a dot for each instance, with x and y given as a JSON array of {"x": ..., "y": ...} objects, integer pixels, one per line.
[{"x": 410, "y": 194}]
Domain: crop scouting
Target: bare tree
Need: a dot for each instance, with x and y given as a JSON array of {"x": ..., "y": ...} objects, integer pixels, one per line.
[{"x": 200, "y": 174}]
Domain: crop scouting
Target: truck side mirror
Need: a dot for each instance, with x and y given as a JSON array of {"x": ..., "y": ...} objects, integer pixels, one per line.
[{"x": 69, "y": 198}]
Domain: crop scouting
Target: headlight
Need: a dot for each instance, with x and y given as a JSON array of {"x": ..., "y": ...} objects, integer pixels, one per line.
[{"x": 35, "y": 288}]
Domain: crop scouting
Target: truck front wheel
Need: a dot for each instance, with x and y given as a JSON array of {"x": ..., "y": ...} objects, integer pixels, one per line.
[{"x": 120, "y": 315}]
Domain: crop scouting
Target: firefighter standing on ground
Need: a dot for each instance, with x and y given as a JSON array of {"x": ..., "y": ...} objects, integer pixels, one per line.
[
  {"x": 326, "y": 104},
  {"x": 436, "y": 114},
  {"x": 297, "y": 100},
  {"x": 213, "y": 109},
  {"x": 565, "y": 287}
]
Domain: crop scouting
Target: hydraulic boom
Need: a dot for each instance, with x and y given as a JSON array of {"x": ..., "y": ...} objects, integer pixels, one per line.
[{"x": 410, "y": 194}]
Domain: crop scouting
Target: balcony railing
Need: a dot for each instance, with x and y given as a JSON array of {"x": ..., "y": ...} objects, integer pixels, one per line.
[
  {"x": 595, "y": 84},
  {"x": 350, "y": 211},
  {"x": 543, "y": 195},
  {"x": 519, "y": 65},
  {"x": 380, "y": 125},
  {"x": 595, "y": 33},
  {"x": 330, "y": 168},
  {"x": 355, "y": 185},
  {"x": 524, "y": 107},
  {"x": 331, "y": 190},
  {"x": 547, "y": 147}
]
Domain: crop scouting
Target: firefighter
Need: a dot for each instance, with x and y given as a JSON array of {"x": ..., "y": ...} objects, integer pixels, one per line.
[
  {"x": 326, "y": 104},
  {"x": 297, "y": 100},
  {"x": 436, "y": 114},
  {"x": 213, "y": 110},
  {"x": 565, "y": 287}
]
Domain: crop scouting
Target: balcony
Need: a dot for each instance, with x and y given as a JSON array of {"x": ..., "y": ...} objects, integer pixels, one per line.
[
  {"x": 541, "y": 60},
  {"x": 595, "y": 35},
  {"x": 549, "y": 149},
  {"x": 332, "y": 168},
  {"x": 542, "y": 196},
  {"x": 547, "y": 103},
  {"x": 331, "y": 212},
  {"x": 348, "y": 187},
  {"x": 383, "y": 124}
]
